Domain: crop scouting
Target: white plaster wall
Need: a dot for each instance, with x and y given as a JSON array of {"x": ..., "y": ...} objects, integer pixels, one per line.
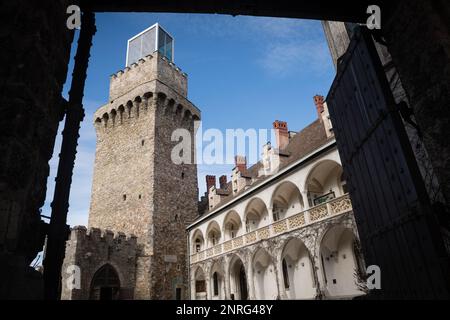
[{"x": 297, "y": 177}]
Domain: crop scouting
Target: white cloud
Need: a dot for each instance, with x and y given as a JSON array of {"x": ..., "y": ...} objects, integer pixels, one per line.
[{"x": 283, "y": 59}]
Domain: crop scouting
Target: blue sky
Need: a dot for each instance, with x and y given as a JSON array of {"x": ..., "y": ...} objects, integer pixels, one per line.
[{"x": 243, "y": 72}]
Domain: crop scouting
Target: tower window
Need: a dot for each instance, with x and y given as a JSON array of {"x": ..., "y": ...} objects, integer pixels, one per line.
[
  {"x": 182, "y": 175},
  {"x": 140, "y": 196},
  {"x": 142, "y": 142},
  {"x": 124, "y": 197}
]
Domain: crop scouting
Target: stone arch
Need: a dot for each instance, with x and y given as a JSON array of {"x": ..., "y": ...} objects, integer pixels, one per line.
[
  {"x": 178, "y": 111},
  {"x": 323, "y": 182},
  {"x": 338, "y": 262},
  {"x": 213, "y": 234},
  {"x": 137, "y": 103},
  {"x": 105, "y": 119},
  {"x": 161, "y": 96},
  {"x": 197, "y": 241},
  {"x": 200, "y": 284},
  {"x": 145, "y": 98},
  {"x": 217, "y": 280},
  {"x": 264, "y": 275},
  {"x": 186, "y": 117},
  {"x": 113, "y": 116},
  {"x": 121, "y": 110},
  {"x": 238, "y": 278},
  {"x": 98, "y": 121},
  {"x": 256, "y": 214},
  {"x": 105, "y": 284},
  {"x": 297, "y": 270},
  {"x": 232, "y": 225},
  {"x": 170, "y": 107},
  {"x": 129, "y": 106},
  {"x": 286, "y": 200}
]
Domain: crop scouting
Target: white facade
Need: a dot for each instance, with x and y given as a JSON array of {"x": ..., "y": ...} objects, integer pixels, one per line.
[{"x": 291, "y": 236}]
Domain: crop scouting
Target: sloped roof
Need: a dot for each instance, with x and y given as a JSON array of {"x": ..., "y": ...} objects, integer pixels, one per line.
[{"x": 304, "y": 142}]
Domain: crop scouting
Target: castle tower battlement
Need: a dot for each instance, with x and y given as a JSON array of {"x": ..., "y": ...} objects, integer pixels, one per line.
[
  {"x": 90, "y": 250},
  {"x": 137, "y": 187},
  {"x": 147, "y": 69}
]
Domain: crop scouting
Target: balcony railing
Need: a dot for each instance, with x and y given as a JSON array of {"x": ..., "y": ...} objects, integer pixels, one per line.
[{"x": 307, "y": 217}]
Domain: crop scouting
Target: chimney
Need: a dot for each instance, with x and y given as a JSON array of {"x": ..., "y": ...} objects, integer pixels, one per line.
[
  {"x": 223, "y": 182},
  {"x": 281, "y": 133},
  {"x": 210, "y": 181},
  {"x": 241, "y": 163},
  {"x": 318, "y": 101}
]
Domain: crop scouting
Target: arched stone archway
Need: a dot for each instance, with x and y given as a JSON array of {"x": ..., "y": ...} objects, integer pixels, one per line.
[
  {"x": 324, "y": 182},
  {"x": 256, "y": 215},
  {"x": 198, "y": 241},
  {"x": 286, "y": 200},
  {"x": 217, "y": 282},
  {"x": 238, "y": 279},
  {"x": 200, "y": 284},
  {"x": 338, "y": 263},
  {"x": 264, "y": 276},
  {"x": 105, "y": 284},
  {"x": 213, "y": 234},
  {"x": 297, "y": 271},
  {"x": 232, "y": 225}
]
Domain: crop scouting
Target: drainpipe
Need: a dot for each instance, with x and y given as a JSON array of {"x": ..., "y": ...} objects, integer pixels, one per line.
[{"x": 58, "y": 229}]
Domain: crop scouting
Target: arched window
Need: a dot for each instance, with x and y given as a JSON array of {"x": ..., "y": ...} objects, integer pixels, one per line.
[{"x": 216, "y": 284}]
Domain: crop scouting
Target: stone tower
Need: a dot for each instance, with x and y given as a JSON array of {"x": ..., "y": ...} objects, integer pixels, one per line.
[{"x": 137, "y": 188}]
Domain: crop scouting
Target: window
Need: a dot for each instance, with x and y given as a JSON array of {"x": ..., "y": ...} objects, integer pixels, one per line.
[
  {"x": 285, "y": 274},
  {"x": 247, "y": 225},
  {"x": 200, "y": 286},
  {"x": 142, "y": 142},
  {"x": 214, "y": 239},
  {"x": 277, "y": 212},
  {"x": 216, "y": 284},
  {"x": 124, "y": 197},
  {"x": 182, "y": 175},
  {"x": 197, "y": 245},
  {"x": 232, "y": 232}
]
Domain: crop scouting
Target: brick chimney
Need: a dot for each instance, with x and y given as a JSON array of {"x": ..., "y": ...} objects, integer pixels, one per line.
[
  {"x": 210, "y": 181},
  {"x": 281, "y": 133},
  {"x": 318, "y": 101},
  {"x": 241, "y": 163},
  {"x": 223, "y": 182}
]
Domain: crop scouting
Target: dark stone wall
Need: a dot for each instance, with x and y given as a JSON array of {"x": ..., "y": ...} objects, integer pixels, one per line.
[
  {"x": 419, "y": 42},
  {"x": 35, "y": 53}
]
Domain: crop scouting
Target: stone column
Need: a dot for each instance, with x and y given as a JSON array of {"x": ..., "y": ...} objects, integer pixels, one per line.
[
  {"x": 306, "y": 205},
  {"x": 227, "y": 278},
  {"x": 249, "y": 270}
]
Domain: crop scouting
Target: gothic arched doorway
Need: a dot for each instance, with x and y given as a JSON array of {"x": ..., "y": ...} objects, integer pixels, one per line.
[
  {"x": 105, "y": 284},
  {"x": 238, "y": 280}
]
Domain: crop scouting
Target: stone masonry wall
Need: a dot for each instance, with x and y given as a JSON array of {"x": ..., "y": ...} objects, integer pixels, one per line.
[
  {"x": 90, "y": 251},
  {"x": 136, "y": 187},
  {"x": 150, "y": 68}
]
